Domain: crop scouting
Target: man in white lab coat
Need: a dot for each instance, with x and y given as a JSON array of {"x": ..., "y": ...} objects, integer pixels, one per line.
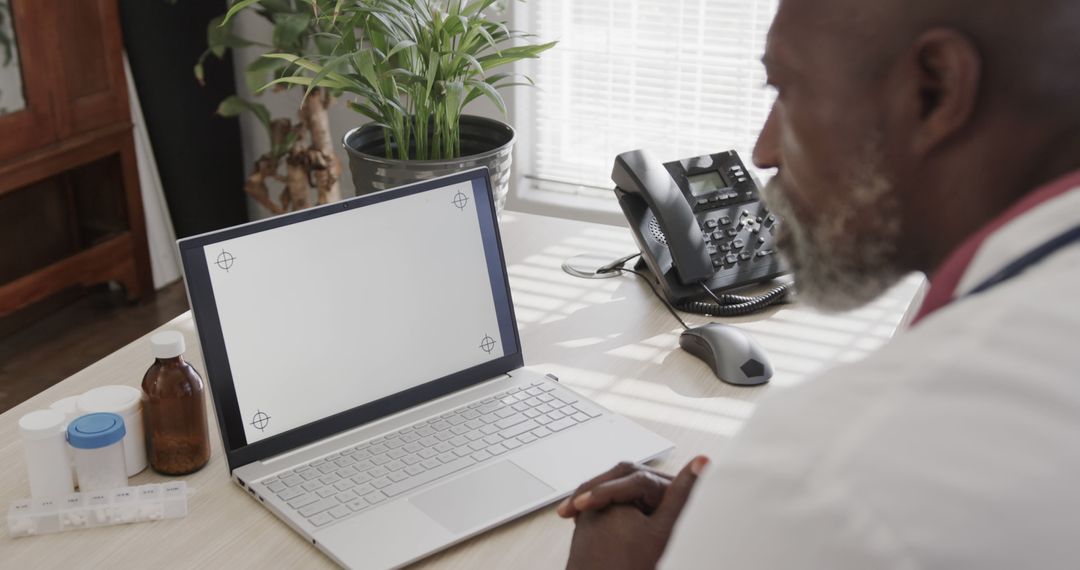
[{"x": 940, "y": 136}]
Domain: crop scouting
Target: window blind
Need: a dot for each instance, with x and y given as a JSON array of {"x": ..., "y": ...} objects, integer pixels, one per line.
[{"x": 679, "y": 78}]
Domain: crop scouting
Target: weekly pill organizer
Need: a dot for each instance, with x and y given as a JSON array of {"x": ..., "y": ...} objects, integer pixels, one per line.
[{"x": 47, "y": 515}]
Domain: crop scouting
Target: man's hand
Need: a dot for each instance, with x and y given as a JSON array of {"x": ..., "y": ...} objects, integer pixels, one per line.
[
  {"x": 625, "y": 516},
  {"x": 625, "y": 484}
]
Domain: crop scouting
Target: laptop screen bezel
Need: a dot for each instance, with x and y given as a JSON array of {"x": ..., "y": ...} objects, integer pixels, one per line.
[{"x": 215, "y": 356}]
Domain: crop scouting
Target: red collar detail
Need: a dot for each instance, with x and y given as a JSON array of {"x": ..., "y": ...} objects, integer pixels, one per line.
[{"x": 945, "y": 280}]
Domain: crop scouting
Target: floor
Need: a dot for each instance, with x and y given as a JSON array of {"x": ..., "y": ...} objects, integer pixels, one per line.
[{"x": 37, "y": 351}]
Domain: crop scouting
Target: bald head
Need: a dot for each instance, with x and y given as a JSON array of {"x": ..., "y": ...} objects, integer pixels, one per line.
[
  {"x": 903, "y": 126},
  {"x": 1029, "y": 49}
]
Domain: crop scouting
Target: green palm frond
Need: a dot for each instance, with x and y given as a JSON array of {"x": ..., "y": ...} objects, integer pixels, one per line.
[{"x": 412, "y": 65}]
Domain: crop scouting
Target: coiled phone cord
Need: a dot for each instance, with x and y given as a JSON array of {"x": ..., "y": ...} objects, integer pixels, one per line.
[
  {"x": 725, "y": 305},
  {"x": 736, "y": 305}
]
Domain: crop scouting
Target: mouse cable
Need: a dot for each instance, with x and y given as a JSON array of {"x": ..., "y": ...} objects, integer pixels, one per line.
[
  {"x": 618, "y": 264},
  {"x": 657, "y": 293}
]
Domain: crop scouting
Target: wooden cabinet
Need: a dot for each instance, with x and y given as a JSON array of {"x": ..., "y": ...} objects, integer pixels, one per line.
[
  {"x": 70, "y": 208},
  {"x": 90, "y": 90},
  {"x": 31, "y": 126}
]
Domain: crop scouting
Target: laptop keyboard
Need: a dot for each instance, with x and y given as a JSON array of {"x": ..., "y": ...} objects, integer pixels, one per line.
[{"x": 358, "y": 478}]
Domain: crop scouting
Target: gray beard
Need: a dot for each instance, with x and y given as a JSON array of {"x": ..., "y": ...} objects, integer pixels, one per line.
[{"x": 834, "y": 269}]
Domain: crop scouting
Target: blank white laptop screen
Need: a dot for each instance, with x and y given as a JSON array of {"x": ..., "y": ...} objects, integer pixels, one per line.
[{"x": 324, "y": 315}]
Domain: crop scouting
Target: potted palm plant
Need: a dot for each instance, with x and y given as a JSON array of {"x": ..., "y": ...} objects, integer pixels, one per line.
[{"x": 413, "y": 66}]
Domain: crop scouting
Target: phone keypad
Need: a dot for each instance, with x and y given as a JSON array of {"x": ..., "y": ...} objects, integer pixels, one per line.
[{"x": 739, "y": 235}]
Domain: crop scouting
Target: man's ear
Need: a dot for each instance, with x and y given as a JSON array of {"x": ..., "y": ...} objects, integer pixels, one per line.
[{"x": 949, "y": 69}]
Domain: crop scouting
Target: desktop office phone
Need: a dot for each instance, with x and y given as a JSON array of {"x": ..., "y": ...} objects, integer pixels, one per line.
[{"x": 698, "y": 222}]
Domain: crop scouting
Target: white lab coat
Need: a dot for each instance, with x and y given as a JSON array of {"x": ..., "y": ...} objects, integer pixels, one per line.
[{"x": 957, "y": 445}]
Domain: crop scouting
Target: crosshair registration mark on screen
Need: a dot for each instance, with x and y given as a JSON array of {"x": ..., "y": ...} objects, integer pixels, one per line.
[
  {"x": 260, "y": 420},
  {"x": 460, "y": 200},
  {"x": 225, "y": 260}
]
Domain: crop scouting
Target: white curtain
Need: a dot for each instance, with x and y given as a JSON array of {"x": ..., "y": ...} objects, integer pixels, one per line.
[{"x": 164, "y": 261}]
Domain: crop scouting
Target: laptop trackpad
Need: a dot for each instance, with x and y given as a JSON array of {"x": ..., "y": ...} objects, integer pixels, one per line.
[{"x": 481, "y": 498}]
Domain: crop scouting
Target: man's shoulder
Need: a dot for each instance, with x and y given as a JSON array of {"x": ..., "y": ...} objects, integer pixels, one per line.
[
  {"x": 1016, "y": 339},
  {"x": 1005, "y": 356},
  {"x": 972, "y": 414}
]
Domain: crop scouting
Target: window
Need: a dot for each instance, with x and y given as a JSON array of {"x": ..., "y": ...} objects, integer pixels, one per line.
[{"x": 677, "y": 77}]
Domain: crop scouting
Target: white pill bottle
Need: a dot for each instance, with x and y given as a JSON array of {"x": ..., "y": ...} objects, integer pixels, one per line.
[
  {"x": 70, "y": 409},
  {"x": 47, "y": 461}
]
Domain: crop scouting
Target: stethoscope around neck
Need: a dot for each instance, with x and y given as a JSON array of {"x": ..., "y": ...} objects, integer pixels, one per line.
[{"x": 1025, "y": 261}]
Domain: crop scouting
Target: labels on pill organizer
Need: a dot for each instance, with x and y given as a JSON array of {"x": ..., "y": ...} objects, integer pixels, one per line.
[{"x": 28, "y": 517}]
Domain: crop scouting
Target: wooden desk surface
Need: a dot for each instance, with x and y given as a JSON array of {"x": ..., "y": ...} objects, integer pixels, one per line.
[{"x": 608, "y": 339}]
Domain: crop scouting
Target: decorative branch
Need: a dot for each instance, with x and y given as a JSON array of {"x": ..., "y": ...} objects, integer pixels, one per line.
[
  {"x": 312, "y": 168},
  {"x": 324, "y": 168}
]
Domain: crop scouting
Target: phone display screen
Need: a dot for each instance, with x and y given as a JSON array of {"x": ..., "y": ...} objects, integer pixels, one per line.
[{"x": 701, "y": 184}]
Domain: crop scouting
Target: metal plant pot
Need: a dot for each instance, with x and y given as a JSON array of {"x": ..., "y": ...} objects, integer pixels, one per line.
[{"x": 484, "y": 142}]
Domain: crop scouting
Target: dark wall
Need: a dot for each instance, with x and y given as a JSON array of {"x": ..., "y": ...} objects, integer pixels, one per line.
[{"x": 198, "y": 153}]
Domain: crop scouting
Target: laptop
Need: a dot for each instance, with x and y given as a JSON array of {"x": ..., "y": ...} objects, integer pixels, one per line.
[{"x": 368, "y": 377}]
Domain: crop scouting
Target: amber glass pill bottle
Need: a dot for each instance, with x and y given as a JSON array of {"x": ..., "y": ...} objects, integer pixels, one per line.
[{"x": 174, "y": 409}]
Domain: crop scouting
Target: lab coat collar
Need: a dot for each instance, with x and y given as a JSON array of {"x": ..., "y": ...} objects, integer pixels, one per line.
[{"x": 1035, "y": 219}]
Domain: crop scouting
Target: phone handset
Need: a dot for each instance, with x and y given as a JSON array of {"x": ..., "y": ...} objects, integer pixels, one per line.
[{"x": 636, "y": 172}]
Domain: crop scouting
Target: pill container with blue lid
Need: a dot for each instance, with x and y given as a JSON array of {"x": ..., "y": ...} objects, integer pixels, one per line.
[
  {"x": 99, "y": 451},
  {"x": 126, "y": 402}
]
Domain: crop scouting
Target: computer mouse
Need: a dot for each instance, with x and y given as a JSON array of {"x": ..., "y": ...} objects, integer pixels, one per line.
[{"x": 733, "y": 356}]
